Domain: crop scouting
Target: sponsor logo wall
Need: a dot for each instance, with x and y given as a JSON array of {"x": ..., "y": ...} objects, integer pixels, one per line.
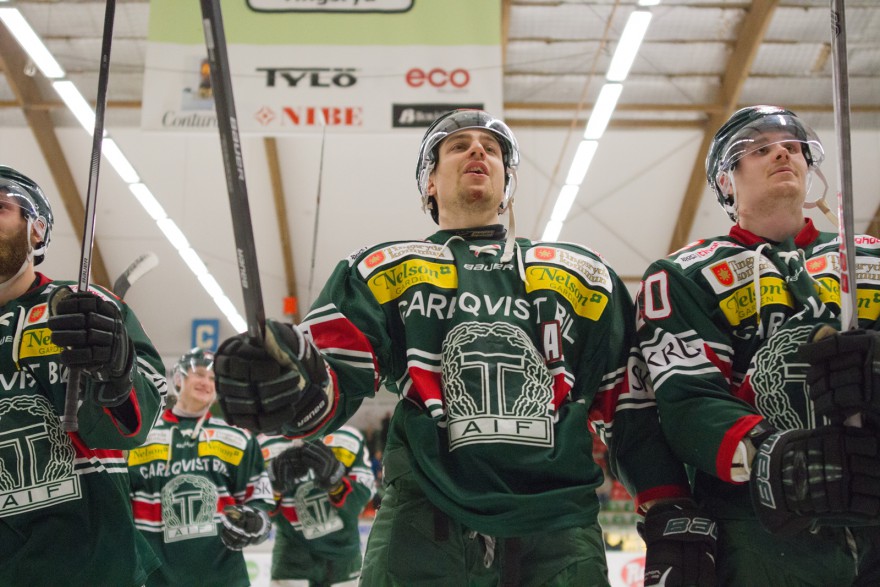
[{"x": 298, "y": 65}]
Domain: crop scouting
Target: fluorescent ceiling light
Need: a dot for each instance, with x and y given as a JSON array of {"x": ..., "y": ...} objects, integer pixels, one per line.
[
  {"x": 228, "y": 308},
  {"x": 81, "y": 109},
  {"x": 649, "y": 2},
  {"x": 118, "y": 161},
  {"x": 581, "y": 162},
  {"x": 193, "y": 261},
  {"x": 629, "y": 44},
  {"x": 564, "y": 201},
  {"x": 211, "y": 286},
  {"x": 602, "y": 111},
  {"x": 31, "y": 43},
  {"x": 552, "y": 230},
  {"x": 148, "y": 201},
  {"x": 173, "y": 233}
]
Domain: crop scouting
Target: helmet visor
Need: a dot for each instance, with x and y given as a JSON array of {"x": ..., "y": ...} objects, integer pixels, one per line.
[
  {"x": 772, "y": 130},
  {"x": 12, "y": 194}
]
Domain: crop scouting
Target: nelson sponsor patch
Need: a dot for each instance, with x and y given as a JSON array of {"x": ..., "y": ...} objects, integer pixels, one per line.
[
  {"x": 391, "y": 283},
  {"x": 741, "y": 305},
  {"x": 586, "y": 302},
  {"x": 588, "y": 269},
  {"x": 37, "y": 342}
]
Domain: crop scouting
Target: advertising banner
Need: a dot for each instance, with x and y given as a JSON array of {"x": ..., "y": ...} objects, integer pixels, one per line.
[{"x": 296, "y": 65}]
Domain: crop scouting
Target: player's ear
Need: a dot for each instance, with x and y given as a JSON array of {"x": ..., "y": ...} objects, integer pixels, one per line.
[{"x": 725, "y": 182}]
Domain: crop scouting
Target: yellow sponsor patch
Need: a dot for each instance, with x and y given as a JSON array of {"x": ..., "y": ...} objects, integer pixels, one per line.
[
  {"x": 741, "y": 303},
  {"x": 868, "y": 299},
  {"x": 37, "y": 342},
  {"x": 147, "y": 453},
  {"x": 390, "y": 284},
  {"x": 587, "y": 302},
  {"x": 346, "y": 457},
  {"x": 224, "y": 452}
]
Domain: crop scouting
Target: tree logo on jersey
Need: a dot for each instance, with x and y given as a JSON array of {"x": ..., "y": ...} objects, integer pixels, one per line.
[
  {"x": 36, "y": 457},
  {"x": 188, "y": 506},
  {"x": 496, "y": 387},
  {"x": 723, "y": 273},
  {"x": 317, "y": 516},
  {"x": 778, "y": 378}
]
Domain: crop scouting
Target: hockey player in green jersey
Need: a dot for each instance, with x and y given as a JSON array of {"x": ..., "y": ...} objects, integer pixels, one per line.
[
  {"x": 746, "y": 396},
  {"x": 503, "y": 351},
  {"x": 321, "y": 488},
  {"x": 65, "y": 517},
  {"x": 199, "y": 490}
]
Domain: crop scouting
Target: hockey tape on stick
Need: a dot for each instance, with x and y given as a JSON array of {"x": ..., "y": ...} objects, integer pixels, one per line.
[
  {"x": 233, "y": 163},
  {"x": 135, "y": 271}
]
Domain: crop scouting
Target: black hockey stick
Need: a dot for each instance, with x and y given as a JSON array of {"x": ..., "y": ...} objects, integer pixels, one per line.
[
  {"x": 849, "y": 317},
  {"x": 69, "y": 422},
  {"x": 233, "y": 163},
  {"x": 133, "y": 272}
]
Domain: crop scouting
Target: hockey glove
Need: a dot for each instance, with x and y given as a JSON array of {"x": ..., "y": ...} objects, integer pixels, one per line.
[
  {"x": 287, "y": 468},
  {"x": 844, "y": 373},
  {"x": 94, "y": 339},
  {"x": 281, "y": 385},
  {"x": 243, "y": 525},
  {"x": 327, "y": 469},
  {"x": 826, "y": 476},
  {"x": 680, "y": 542}
]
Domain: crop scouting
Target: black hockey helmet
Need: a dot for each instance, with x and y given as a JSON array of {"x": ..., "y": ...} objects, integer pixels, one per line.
[
  {"x": 196, "y": 357},
  {"x": 736, "y": 138},
  {"x": 450, "y": 123},
  {"x": 24, "y": 192}
]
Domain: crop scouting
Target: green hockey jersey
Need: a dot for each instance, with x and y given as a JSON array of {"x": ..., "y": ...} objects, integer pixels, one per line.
[
  {"x": 65, "y": 516},
  {"x": 499, "y": 367},
  {"x": 186, "y": 472},
  {"x": 720, "y": 322},
  {"x": 306, "y": 519}
]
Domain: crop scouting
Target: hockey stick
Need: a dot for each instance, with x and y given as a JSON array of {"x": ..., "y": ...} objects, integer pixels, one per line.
[
  {"x": 233, "y": 163},
  {"x": 848, "y": 296},
  {"x": 69, "y": 422},
  {"x": 133, "y": 272}
]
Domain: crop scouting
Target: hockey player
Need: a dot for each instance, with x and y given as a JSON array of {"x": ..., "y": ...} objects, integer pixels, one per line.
[
  {"x": 501, "y": 351},
  {"x": 199, "y": 490},
  {"x": 321, "y": 487},
  {"x": 726, "y": 328},
  {"x": 64, "y": 511}
]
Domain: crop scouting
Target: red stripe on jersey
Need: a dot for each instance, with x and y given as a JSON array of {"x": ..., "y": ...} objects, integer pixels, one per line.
[
  {"x": 150, "y": 512},
  {"x": 222, "y": 502},
  {"x": 289, "y": 514},
  {"x": 662, "y": 492},
  {"x": 137, "y": 412},
  {"x": 560, "y": 389},
  {"x": 340, "y": 333},
  {"x": 724, "y": 366},
  {"x": 605, "y": 403},
  {"x": 745, "y": 391},
  {"x": 426, "y": 386},
  {"x": 83, "y": 451},
  {"x": 733, "y": 436}
]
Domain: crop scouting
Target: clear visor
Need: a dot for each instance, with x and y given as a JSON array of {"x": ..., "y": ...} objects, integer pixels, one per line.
[
  {"x": 779, "y": 129},
  {"x": 12, "y": 194},
  {"x": 473, "y": 120}
]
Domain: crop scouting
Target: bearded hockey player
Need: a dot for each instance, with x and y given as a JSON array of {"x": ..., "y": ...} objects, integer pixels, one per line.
[
  {"x": 199, "y": 490},
  {"x": 65, "y": 517},
  {"x": 501, "y": 351},
  {"x": 746, "y": 396}
]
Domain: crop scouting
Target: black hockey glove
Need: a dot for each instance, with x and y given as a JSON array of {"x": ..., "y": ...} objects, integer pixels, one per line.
[
  {"x": 826, "y": 476},
  {"x": 327, "y": 469},
  {"x": 844, "y": 373},
  {"x": 287, "y": 468},
  {"x": 680, "y": 542},
  {"x": 243, "y": 525},
  {"x": 94, "y": 339},
  {"x": 281, "y": 385}
]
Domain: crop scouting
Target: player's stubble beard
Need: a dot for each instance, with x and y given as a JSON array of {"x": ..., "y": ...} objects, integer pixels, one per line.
[{"x": 13, "y": 252}]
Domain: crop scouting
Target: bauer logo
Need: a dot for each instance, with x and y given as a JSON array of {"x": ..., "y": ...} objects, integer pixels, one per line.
[{"x": 422, "y": 115}]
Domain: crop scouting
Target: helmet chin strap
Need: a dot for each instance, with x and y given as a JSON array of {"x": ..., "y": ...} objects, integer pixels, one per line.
[
  {"x": 820, "y": 201},
  {"x": 507, "y": 206}
]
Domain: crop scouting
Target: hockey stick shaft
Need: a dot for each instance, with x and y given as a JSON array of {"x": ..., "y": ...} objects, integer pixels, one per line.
[
  {"x": 849, "y": 317},
  {"x": 69, "y": 420},
  {"x": 233, "y": 163},
  {"x": 848, "y": 297}
]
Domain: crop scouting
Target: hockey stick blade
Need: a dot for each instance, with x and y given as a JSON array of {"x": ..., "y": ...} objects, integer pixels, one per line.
[{"x": 135, "y": 271}]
